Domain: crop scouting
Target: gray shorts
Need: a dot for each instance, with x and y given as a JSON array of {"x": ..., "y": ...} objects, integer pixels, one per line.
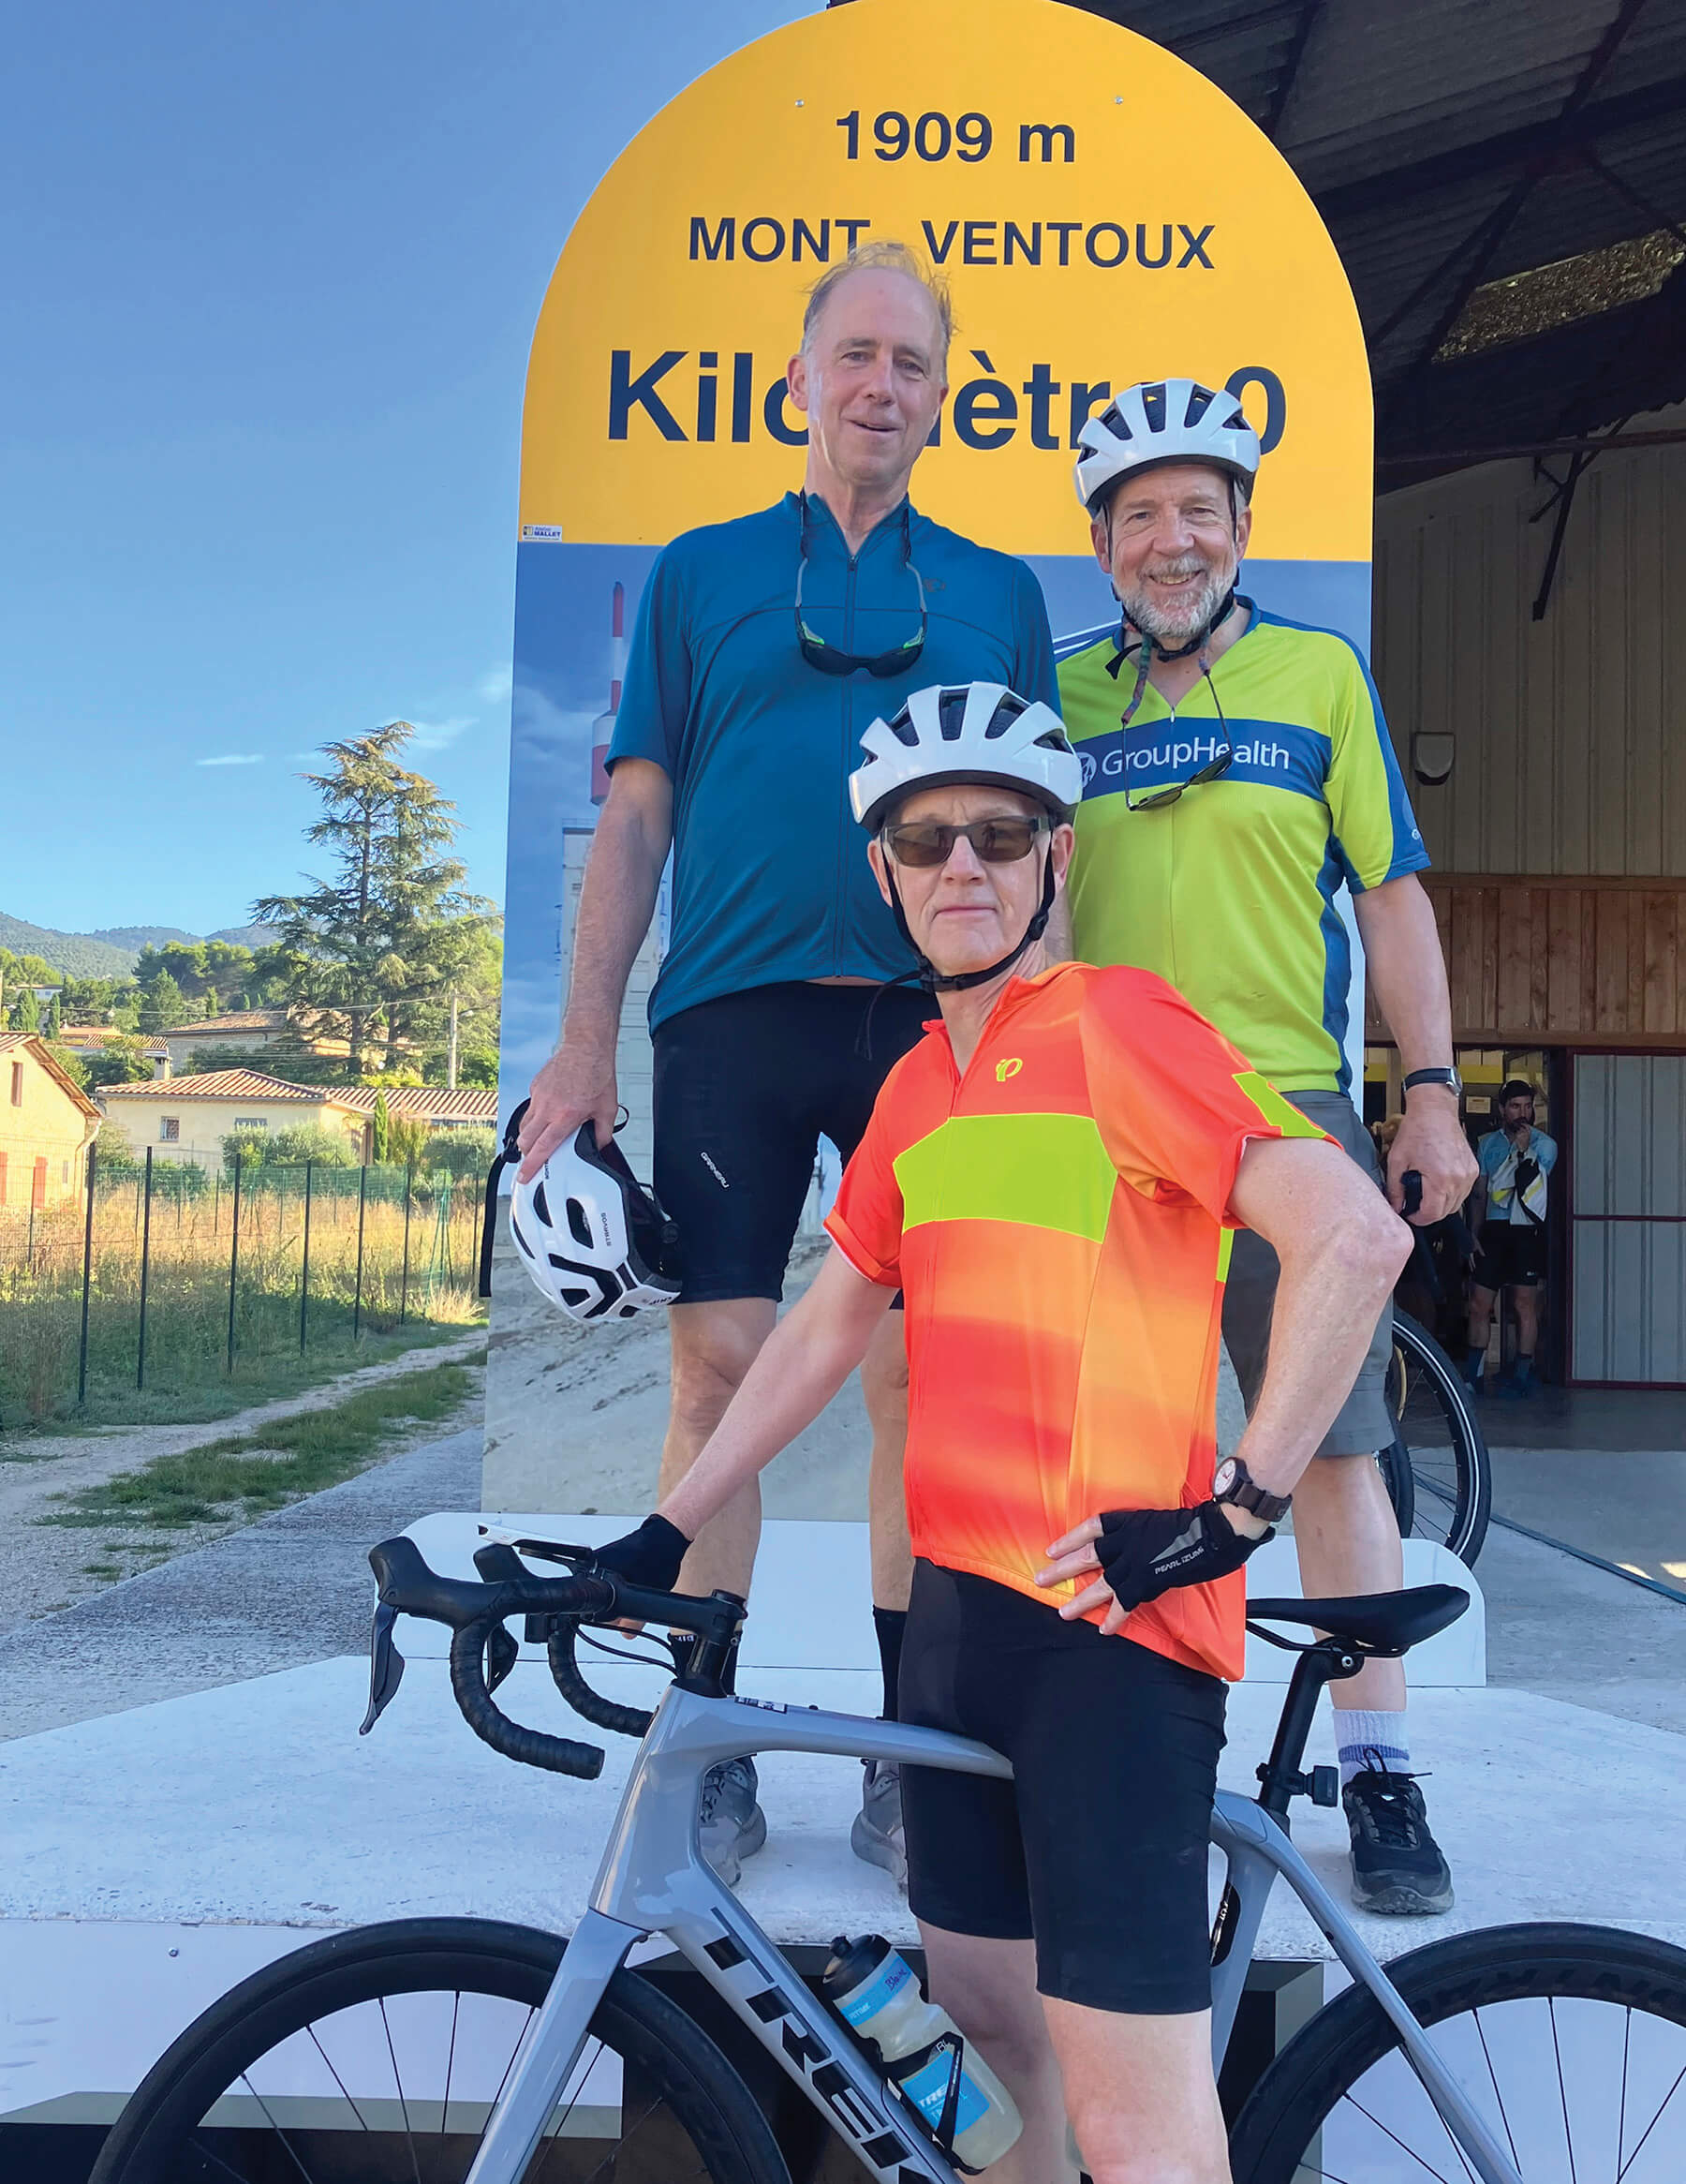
[{"x": 1362, "y": 1424}]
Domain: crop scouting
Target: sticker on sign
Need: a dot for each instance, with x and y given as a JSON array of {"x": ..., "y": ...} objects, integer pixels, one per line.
[{"x": 551, "y": 533}]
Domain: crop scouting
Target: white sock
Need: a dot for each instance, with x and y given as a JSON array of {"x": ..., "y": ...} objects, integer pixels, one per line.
[{"x": 1368, "y": 1739}]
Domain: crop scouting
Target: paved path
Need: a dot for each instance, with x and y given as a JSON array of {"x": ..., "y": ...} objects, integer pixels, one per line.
[
  {"x": 43, "y": 1565},
  {"x": 292, "y": 1588}
]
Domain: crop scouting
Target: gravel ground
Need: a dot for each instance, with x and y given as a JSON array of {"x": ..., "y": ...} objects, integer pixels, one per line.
[{"x": 43, "y": 1565}]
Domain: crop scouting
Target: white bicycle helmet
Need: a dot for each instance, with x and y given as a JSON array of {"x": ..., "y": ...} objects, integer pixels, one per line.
[
  {"x": 1164, "y": 420},
  {"x": 981, "y": 732},
  {"x": 596, "y": 1242}
]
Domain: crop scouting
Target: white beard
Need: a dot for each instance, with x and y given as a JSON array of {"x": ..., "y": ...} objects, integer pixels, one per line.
[{"x": 1172, "y": 627}]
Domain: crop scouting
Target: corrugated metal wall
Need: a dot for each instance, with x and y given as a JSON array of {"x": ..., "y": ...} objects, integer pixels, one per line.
[
  {"x": 1571, "y": 731},
  {"x": 1629, "y": 1218}
]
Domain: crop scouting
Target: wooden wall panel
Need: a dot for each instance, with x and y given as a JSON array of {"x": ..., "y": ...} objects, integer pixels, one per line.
[
  {"x": 1570, "y": 739},
  {"x": 1584, "y": 962}
]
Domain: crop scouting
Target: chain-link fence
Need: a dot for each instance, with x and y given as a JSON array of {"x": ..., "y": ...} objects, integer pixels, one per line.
[{"x": 170, "y": 1277}]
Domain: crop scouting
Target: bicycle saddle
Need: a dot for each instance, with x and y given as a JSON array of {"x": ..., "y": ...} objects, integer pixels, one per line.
[{"x": 1387, "y": 1623}]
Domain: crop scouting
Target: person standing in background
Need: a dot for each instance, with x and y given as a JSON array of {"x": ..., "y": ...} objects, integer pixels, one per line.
[
  {"x": 1237, "y": 772},
  {"x": 1515, "y": 1161},
  {"x": 763, "y": 649}
]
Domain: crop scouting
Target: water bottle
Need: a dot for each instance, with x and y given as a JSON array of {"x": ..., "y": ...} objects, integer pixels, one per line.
[{"x": 873, "y": 1989}]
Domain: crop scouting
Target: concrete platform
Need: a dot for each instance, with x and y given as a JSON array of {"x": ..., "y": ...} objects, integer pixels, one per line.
[{"x": 157, "y": 1855}]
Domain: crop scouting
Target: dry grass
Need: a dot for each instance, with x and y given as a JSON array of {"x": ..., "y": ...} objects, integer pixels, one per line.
[{"x": 190, "y": 1253}]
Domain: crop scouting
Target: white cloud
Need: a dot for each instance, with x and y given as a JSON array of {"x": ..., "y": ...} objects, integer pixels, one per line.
[
  {"x": 495, "y": 685},
  {"x": 234, "y": 758},
  {"x": 440, "y": 735}
]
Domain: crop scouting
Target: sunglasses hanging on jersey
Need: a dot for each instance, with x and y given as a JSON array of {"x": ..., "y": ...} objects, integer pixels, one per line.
[
  {"x": 830, "y": 658},
  {"x": 1217, "y": 768}
]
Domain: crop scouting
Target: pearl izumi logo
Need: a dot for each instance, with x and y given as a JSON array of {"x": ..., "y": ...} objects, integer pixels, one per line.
[{"x": 1008, "y": 1068}]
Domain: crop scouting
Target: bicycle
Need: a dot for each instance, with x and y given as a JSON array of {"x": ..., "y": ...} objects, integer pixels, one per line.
[
  {"x": 1438, "y": 1475},
  {"x": 590, "y": 2072}
]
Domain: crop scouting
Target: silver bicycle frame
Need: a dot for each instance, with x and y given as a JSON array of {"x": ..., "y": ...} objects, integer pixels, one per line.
[{"x": 653, "y": 1879}]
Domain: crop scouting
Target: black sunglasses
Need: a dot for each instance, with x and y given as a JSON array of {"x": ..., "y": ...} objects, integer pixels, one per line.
[
  {"x": 830, "y": 658},
  {"x": 1213, "y": 770},
  {"x": 997, "y": 841}
]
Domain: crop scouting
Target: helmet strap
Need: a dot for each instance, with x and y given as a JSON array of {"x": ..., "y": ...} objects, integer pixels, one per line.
[
  {"x": 1147, "y": 650},
  {"x": 935, "y": 981}
]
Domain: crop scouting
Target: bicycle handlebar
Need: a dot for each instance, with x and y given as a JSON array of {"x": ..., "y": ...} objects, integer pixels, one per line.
[{"x": 475, "y": 1615}]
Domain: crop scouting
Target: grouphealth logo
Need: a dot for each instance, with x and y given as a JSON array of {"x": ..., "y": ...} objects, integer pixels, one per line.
[{"x": 1268, "y": 753}]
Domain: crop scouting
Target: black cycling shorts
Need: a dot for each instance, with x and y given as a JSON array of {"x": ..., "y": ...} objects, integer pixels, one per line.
[
  {"x": 1510, "y": 1256},
  {"x": 745, "y": 1088},
  {"x": 1097, "y": 1847}
]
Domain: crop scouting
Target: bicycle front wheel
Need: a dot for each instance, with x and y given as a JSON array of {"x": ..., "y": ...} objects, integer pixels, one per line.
[
  {"x": 1569, "y": 2041},
  {"x": 1438, "y": 1457},
  {"x": 376, "y": 2057}
]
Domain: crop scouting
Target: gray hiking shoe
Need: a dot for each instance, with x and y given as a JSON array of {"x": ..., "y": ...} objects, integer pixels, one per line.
[
  {"x": 877, "y": 1834},
  {"x": 1398, "y": 1866},
  {"x": 729, "y": 1823}
]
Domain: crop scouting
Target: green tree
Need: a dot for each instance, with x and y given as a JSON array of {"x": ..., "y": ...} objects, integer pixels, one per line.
[
  {"x": 74, "y": 1065},
  {"x": 408, "y": 1141},
  {"x": 26, "y": 1011},
  {"x": 120, "y": 1061},
  {"x": 290, "y": 1147},
  {"x": 91, "y": 1000},
  {"x": 113, "y": 1155},
  {"x": 372, "y": 953},
  {"x": 380, "y": 1131},
  {"x": 210, "y": 975},
  {"x": 162, "y": 1003},
  {"x": 460, "y": 1153},
  {"x": 55, "y": 1018}
]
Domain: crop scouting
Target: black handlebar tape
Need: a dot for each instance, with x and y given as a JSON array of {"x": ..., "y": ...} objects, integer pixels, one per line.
[
  {"x": 1411, "y": 1192},
  {"x": 588, "y": 1705},
  {"x": 532, "y": 1747},
  {"x": 408, "y": 1584}
]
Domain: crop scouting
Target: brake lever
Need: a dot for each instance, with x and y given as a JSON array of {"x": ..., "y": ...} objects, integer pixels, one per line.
[
  {"x": 502, "y": 1653},
  {"x": 386, "y": 1666}
]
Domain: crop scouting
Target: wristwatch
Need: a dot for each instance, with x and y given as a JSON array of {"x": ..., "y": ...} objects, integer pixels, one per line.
[
  {"x": 1231, "y": 1482},
  {"x": 1449, "y": 1078}
]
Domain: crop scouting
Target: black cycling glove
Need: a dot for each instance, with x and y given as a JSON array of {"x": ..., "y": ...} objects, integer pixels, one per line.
[
  {"x": 1145, "y": 1552},
  {"x": 649, "y": 1557}
]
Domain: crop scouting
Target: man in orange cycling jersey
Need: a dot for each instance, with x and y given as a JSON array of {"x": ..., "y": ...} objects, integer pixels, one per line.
[{"x": 1053, "y": 1175}]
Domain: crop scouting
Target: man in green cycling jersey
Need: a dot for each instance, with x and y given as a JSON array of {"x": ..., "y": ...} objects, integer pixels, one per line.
[
  {"x": 1237, "y": 773},
  {"x": 1054, "y": 1176}
]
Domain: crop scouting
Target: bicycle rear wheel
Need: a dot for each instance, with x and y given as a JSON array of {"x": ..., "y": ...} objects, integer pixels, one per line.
[
  {"x": 1438, "y": 1470},
  {"x": 1569, "y": 2041},
  {"x": 376, "y": 2057}
]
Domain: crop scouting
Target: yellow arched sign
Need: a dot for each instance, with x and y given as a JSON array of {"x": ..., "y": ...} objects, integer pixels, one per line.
[{"x": 1103, "y": 214}]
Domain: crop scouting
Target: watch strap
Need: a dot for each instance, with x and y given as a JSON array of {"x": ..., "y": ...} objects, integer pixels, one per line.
[
  {"x": 1449, "y": 1078},
  {"x": 1246, "y": 1494}
]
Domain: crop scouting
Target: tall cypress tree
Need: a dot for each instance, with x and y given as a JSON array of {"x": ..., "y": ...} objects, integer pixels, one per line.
[{"x": 370, "y": 953}]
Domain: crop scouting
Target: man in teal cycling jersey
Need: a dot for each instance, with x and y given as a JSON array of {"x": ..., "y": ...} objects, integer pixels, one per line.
[
  {"x": 763, "y": 649},
  {"x": 1237, "y": 774}
]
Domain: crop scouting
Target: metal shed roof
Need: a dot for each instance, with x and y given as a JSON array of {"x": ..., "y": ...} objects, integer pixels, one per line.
[{"x": 1452, "y": 143}]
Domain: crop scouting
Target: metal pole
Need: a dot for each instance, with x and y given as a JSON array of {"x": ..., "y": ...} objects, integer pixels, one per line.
[
  {"x": 81, "y": 1361},
  {"x": 145, "y": 1269},
  {"x": 234, "y": 1257},
  {"x": 32, "y": 1232},
  {"x": 362, "y": 1191},
  {"x": 304, "y": 1282},
  {"x": 409, "y": 1185}
]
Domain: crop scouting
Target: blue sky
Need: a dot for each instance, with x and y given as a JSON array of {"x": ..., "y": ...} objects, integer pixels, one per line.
[{"x": 271, "y": 277}]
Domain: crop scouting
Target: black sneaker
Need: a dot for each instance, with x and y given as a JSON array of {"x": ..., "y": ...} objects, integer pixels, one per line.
[
  {"x": 729, "y": 1822},
  {"x": 1397, "y": 1863}
]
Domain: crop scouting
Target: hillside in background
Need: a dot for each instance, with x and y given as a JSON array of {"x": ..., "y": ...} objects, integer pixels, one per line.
[{"x": 110, "y": 952}]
